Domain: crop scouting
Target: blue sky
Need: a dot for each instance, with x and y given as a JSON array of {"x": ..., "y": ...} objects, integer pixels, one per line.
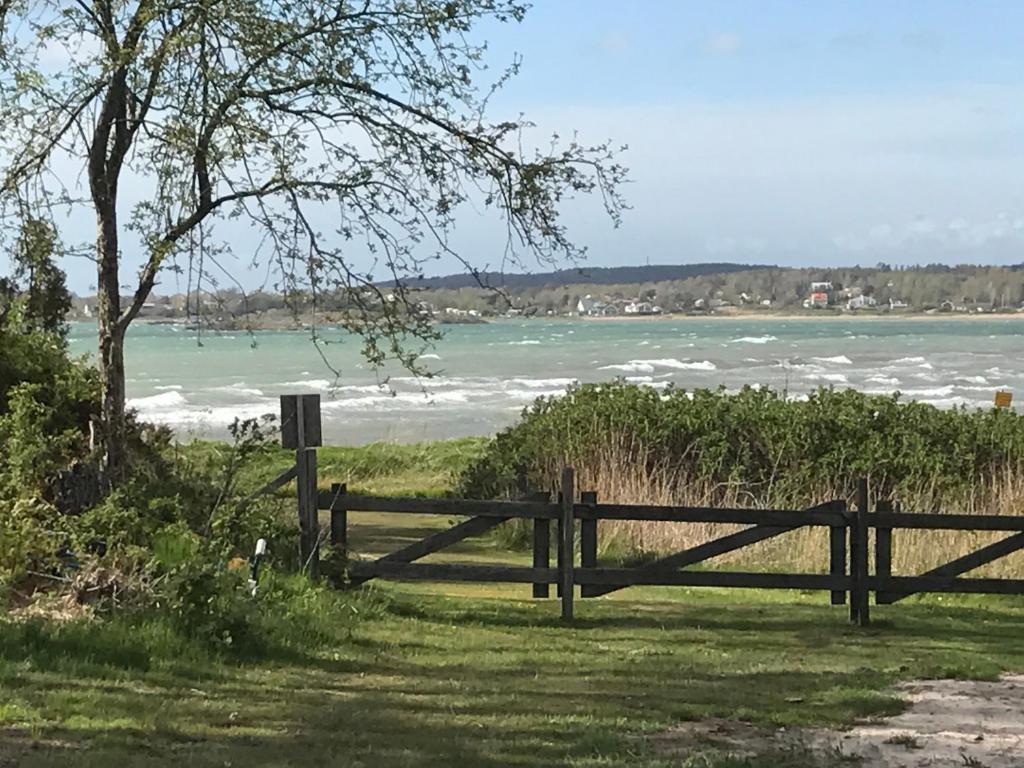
[{"x": 783, "y": 132}]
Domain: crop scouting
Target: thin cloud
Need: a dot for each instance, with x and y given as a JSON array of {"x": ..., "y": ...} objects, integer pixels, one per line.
[{"x": 723, "y": 44}]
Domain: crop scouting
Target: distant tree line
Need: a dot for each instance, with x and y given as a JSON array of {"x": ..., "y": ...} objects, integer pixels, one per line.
[{"x": 938, "y": 287}]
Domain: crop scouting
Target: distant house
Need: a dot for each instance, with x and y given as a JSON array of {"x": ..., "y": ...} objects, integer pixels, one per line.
[
  {"x": 585, "y": 306},
  {"x": 641, "y": 308},
  {"x": 821, "y": 287},
  {"x": 818, "y": 300},
  {"x": 897, "y": 304},
  {"x": 861, "y": 302}
]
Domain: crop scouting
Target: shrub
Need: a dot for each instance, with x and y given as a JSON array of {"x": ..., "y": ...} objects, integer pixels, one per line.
[{"x": 755, "y": 443}]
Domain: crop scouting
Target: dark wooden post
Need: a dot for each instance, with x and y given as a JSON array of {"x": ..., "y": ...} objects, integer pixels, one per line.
[
  {"x": 883, "y": 553},
  {"x": 309, "y": 522},
  {"x": 301, "y": 430},
  {"x": 566, "y": 541},
  {"x": 339, "y": 517},
  {"x": 588, "y": 541},
  {"x": 859, "y": 609},
  {"x": 541, "y": 549},
  {"x": 837, "y": 553}
]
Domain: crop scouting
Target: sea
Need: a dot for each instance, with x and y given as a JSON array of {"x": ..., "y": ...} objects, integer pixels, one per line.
[{"x": 482, "y": 376}]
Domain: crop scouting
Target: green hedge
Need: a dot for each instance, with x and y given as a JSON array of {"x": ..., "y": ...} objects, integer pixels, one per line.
[{"x": 756, "y": 439}]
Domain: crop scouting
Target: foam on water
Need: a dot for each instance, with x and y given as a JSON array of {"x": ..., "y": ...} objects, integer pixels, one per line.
[
  {"x": 755, "y": 339},
  {"x": 836, "y": 360}
]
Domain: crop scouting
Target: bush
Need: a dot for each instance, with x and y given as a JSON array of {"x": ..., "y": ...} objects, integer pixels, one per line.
[{"x": 756, "y": 442}]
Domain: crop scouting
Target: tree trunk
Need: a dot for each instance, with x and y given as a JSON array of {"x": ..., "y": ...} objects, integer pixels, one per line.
[{"x": 111, "y": 348}]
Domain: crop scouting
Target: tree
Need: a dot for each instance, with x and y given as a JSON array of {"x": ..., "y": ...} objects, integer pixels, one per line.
[
  {"x": 37, "y": 287},
  {"x": 339, "y": 130}
]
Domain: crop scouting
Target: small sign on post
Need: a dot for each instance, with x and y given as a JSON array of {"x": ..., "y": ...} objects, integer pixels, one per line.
[
  {"x": 300, "y": 421},
  {"x": 1004, "y": 399}
]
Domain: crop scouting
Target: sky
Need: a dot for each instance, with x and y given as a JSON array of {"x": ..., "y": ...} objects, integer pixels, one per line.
[{"x": 796, "y": 133}]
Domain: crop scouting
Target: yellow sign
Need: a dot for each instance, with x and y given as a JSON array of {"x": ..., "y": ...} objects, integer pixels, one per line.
[{"x": 1003, "y": 399}]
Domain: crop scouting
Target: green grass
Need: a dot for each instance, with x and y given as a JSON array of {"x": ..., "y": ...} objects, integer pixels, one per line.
[
  {"x": 422, "y": 469},
  {"x": 428, "y": 675},
  {"x": 438, "y": 680}
]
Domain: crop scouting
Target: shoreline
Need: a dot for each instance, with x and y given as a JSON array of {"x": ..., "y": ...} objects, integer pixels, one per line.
[{"x": 275, "y": 325}]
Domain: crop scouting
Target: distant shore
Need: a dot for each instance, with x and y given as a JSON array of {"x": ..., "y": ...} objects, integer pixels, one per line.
[
  {"x": 280, "y": 323},
  {"x": 801, "y": 316}
]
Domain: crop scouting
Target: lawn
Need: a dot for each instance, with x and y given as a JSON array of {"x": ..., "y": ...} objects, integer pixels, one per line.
[{"x": 440, "y": 675}]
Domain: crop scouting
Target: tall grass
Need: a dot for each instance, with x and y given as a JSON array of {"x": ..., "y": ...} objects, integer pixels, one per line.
[{"x": 755, "y": 449}]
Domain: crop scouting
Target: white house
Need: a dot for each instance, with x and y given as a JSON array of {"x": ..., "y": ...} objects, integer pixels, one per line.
[{"x": 861, "y": 302}]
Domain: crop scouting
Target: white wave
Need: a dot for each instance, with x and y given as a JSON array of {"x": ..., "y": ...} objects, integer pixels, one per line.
[
  {"x": 526, "y": 341},
  {"x": 631, "y": 367},
  {"x": 754, "y": 339},
  {"x": 679, "y": 365},
  {"x": 908, "y": 360},
  {"x": 430, "y": 356},
  {"x": 640, "y": 379},
  {"x": 643, "y": 343},
  {"x": 308, "y": 383},
  {"x": 837, "y": 360},
  {"x": 834, "y": 378},
  {"x": 542, "y": 383},
  {"x": 973, "y": 379},
  {"x": 925, "y": 392},
  {"x": 239, "y": 388},
  {"x": 889, "y": 381},
  {"x": 158, "y": 402},
  {"x": 169, "y": 388}
]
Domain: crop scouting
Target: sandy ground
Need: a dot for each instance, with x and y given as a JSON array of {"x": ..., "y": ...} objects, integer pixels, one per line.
[{"x": 947, "y": 723}]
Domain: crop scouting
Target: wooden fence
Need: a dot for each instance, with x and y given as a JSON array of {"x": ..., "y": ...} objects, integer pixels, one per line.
[{"x": 576, "y": 517}]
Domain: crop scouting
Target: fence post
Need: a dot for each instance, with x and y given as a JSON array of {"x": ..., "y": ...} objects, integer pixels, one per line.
[
  {"x": 588, "y": 541},
  {"x": 541, "y": 547},
  {"x": 883, "y": 553},
  {"x": 566, "y": 541},
  {"x": 309, "y": 523},
  {"x": 339, "y": 517},
  {"x": 859, "y": 609},
  {"x": 837, "y": 552},
  {"x": 301, "y": 431}
]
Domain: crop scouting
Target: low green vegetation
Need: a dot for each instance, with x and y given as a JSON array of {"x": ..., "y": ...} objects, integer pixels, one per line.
[{"x": 757, "y": 444}]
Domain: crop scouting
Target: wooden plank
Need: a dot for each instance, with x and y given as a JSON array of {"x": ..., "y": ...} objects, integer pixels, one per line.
[
  {"x": 455, "y": 507},
  {"x": 783, "y": 518},
  {"x": 944, "y": 522},
  {"x": 883, "y": 553},
  {"x": 944, "y": 573},
  {"x": 588, "y": 541},
  {"x": 567, "y": 541},
  {"x": 908, "y": 585},
  {"x": 438, "y": 541},
  {"x": 278, "y": 482},
  {"x": 541, "y": 552},
  {"x": 309, "y": 524},
  {"x": 859, "y": 602},
  {"x": 453, "y": 572},
  {"x": 837, "y": 544},
  {"x": 633, "y": 576},
  {"x": 719, "y": 546},
  {"x": 339, "y": 517}
]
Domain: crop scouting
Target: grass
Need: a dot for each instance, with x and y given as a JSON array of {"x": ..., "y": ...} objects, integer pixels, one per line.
[
  {"x": 427, "y": 675},
  {"x": 421, "y": 469}
]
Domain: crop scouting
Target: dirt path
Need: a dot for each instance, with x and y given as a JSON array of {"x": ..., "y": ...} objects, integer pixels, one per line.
[{"x": 947, "y": 723}]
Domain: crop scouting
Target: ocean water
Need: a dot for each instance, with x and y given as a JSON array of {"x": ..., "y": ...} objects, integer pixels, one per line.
[{"x": 486, "y": 374}]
